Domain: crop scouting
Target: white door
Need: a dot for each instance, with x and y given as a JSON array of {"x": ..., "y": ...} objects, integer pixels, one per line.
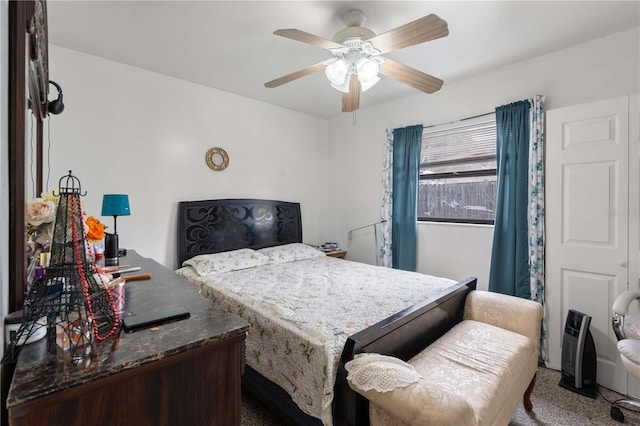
[{"x": 587, "y": 225}]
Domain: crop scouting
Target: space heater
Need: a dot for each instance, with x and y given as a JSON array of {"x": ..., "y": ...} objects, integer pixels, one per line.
[{"x": 579, "y": 366}]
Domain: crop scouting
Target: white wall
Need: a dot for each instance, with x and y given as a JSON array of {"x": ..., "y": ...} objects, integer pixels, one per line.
[
  {"x": 128, "y": 130},
  {"x": 599, "y": 69}
]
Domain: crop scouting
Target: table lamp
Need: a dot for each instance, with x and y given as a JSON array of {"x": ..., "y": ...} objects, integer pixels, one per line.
[{"x": 113, "y": 205}]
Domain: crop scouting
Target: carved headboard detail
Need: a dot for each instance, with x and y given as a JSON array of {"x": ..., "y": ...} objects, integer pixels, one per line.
[{"x": 212, "y": 226}]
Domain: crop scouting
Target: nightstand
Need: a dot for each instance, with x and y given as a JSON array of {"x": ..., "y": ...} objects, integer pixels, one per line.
[{"x": 340, "y": 254}]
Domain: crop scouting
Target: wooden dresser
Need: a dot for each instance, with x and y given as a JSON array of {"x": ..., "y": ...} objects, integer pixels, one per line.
[{"x": 186, "y": 373}]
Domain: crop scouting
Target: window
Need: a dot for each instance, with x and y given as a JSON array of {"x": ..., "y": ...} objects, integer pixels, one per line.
[{"x": 458, "y": 172}]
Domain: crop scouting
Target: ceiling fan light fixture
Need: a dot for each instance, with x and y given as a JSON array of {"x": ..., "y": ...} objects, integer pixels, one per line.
[
  {"x": 337, "y": 71},
  {"x": 368, "y": 70},
  {"x": 369, "y": 84},
  {"x": 344, "y": 87}
]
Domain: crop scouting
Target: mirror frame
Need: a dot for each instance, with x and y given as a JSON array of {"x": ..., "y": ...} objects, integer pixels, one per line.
[
  {"x": 212, "y": 160},
  {"x": 28, "y": 90}
]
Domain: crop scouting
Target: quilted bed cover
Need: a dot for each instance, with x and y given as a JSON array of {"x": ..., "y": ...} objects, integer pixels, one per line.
[{"x": 301, "y": 313}]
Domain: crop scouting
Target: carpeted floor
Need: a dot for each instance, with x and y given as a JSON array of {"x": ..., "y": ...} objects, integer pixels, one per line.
[{"x": 552, "y": 406}]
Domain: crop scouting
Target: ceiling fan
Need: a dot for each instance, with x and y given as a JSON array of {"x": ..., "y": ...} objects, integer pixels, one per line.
[{"x": 357, "y": 59}]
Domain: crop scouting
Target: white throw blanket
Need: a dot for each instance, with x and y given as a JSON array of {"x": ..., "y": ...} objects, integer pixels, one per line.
[{"x": 302, "y": 312}]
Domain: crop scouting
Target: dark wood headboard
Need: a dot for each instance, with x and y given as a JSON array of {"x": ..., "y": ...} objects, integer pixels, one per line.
[{"x": 213, "y": 226}]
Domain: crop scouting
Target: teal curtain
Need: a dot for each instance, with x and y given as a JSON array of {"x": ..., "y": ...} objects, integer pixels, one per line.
[
  {"x": 404, "y": 222},
  {"x": 509, "y": 273}
]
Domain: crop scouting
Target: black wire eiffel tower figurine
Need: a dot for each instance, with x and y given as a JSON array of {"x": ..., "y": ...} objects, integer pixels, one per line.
[{"x": 78, "y": 308}]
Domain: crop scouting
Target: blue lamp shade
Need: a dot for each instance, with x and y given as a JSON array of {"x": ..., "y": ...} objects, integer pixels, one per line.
[{"x": 115, "y": 205}]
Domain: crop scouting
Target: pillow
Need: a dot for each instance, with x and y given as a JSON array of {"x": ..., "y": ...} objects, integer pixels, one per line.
[
  {"x": 290, "y": 252},
  {"x": 383, "y": 373},
  {"x": 209, "y": 264}
]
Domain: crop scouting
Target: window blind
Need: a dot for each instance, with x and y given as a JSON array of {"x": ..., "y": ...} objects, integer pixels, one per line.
[{"x": 459, "y": 144}]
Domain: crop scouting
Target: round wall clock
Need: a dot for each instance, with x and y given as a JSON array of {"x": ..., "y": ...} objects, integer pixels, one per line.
[{"x": 217, "y": 159}]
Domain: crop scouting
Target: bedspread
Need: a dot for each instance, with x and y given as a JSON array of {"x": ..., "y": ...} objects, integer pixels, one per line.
[{"x": 302, "y": 312}]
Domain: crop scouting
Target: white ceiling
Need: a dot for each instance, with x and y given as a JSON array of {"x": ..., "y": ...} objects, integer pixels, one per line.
[{"x": 229, "y": 45}]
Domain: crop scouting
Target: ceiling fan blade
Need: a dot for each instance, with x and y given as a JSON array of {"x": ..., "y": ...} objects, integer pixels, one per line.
[
  {"x": 308, "y": 38},
  {"x": 351, "y": 100},
  {"x": 410, "y": 76},
  {"x": 424, "y": 29},
  {"x": 295, "y": 75}
]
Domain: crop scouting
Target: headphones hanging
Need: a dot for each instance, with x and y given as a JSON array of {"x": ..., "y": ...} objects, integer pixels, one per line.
[{"x": 56, "y": 107}]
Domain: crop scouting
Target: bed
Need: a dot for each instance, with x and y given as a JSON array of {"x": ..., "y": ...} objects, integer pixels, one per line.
[{"x": 309, "y": 313}]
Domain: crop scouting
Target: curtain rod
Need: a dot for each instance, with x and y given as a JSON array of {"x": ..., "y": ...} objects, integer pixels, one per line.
[
  {"x": 462, "y": 119},
  {"x": 469, "y": 118}
]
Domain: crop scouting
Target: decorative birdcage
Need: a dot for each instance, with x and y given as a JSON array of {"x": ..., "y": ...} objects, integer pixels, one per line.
[{"x": 71, "y": 298}]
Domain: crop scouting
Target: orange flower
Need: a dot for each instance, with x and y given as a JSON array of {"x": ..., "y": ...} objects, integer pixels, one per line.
[{"x": 96, "y": 230}]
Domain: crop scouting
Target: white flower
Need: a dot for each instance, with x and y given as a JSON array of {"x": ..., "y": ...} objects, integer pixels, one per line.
[{"x": 40, "y": 211}]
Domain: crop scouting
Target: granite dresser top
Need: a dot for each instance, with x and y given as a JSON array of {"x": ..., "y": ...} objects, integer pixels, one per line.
[{"x": 40, "y": 371}]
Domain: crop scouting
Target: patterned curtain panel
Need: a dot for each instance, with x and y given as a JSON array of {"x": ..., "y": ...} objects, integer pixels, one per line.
[
  {"x": 536, "y": 211},
  {"x": 384, "y": 249}
]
